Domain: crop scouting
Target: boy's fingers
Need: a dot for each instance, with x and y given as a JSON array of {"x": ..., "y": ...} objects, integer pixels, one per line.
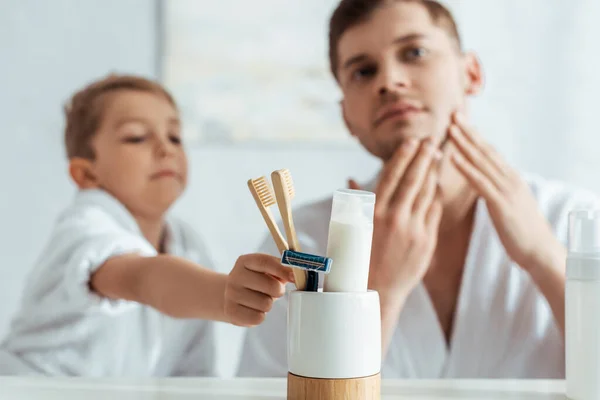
[
  {"x": 267, "y": 265},
  {"x": 247, "y": 317},
  {"x": 254, "y": 300},
  {"x": 263, "y": 283}
]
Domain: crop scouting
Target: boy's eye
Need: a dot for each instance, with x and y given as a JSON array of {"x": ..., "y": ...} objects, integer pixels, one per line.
[
  {"x": 175, "y": 139},
  {"x": 134, "y": 139},
  {"x": 364, "y": 72}
]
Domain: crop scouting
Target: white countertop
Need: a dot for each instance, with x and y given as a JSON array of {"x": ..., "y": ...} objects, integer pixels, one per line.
[{"x": 262, "y": 389}]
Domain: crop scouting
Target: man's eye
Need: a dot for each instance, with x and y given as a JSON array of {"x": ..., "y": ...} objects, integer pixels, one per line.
[{"x": 415, "y": 53}]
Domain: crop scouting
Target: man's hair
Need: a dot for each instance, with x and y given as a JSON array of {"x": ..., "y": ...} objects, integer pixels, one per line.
[
  {"x": 85, "y": 111},
  {"x": 350, "y": 13}
]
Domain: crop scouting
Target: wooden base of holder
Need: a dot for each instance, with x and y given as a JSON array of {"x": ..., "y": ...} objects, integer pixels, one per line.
[{"x": 301, "y": 388}]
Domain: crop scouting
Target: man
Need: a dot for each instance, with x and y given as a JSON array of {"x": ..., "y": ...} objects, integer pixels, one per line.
[{"x": 468, "y": 256}]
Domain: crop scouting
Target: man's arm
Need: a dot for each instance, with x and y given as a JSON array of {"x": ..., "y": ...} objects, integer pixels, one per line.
[
  {"x": 391, "y": 307},
  {"x": 550, "y": 277}
]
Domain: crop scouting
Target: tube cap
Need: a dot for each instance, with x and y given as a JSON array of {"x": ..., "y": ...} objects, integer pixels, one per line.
[
  {"x": 584, "y": 232},
  {"x": 353, "y": 206},
  {"x": 583, "y": 259}
]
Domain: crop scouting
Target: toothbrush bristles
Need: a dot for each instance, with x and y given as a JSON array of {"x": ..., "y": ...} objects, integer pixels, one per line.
[
  {"x": 289, "y": 183},
  {"x": 264, "y": 190}
]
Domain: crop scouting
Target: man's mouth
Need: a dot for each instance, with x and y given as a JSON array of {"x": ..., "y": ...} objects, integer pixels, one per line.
[{"x": 398, "y": 111}]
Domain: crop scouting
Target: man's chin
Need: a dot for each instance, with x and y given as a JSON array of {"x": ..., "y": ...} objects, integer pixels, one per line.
[
  {"x": 389, "y": 149},
  {"x": 417, "y": 128}
]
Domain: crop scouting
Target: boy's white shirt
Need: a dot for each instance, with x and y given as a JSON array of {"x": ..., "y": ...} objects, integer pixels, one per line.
[
  {"x": 63, "y": 328},
  {"x": 503, "y": 326}
]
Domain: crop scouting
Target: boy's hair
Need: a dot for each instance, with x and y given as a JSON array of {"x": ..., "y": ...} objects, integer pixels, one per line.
[
  {"x": 350, "y": 13},
  {"x": 85, "y": 111}
]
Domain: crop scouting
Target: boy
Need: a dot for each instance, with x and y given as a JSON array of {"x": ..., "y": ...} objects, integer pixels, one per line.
[{"x": 121, "y": 288}]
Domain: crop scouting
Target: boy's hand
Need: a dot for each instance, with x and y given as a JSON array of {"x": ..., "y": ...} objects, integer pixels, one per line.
[{"x": 252, "y": 286}]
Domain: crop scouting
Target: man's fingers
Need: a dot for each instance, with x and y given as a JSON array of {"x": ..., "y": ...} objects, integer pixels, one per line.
[
  {"x": 353, "y": 185},
  {"x": 477, "y": 158},
  {"x": 474, "y": 139},
  {"x": 478, "y": 180},
  {"x": 267, "y": 265},
  {"x": 426, "y": 195},
  {"x": 413, "y": 179},
  {"x": 434, "y": 213},
  {"x": 393, "y": 171}
]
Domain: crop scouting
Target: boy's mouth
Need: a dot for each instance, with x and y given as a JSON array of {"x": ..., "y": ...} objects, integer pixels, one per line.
[{"x": 165, "y": 173}]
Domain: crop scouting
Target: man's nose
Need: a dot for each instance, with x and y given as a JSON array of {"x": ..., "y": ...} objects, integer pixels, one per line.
[{"x": 392, "y": 77}]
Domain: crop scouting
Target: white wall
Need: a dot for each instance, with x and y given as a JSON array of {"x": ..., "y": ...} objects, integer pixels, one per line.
[
  {"x": 540, "y": 101},
  {"x": 50, "y": 48}
]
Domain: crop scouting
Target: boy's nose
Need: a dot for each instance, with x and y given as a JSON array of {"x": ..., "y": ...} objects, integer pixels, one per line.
[{"x": 165, "y": 148}]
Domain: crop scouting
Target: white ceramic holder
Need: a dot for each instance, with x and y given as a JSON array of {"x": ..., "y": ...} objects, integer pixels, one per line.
[{"x": 334, "y": 346}]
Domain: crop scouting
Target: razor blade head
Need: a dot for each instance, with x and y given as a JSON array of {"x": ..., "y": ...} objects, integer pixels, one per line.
[{"x": 308, "y": 262}]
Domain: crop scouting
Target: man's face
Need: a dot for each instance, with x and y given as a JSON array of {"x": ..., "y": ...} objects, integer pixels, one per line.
[{"x": 402, "y": 76}]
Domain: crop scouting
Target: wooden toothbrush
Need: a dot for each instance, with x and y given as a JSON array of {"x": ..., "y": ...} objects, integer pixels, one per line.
[
  {"x": 264, "y": 198},
  {"x": 284, "y": 193}
]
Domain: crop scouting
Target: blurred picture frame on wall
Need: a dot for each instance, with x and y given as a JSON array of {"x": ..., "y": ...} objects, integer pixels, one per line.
[{"x": 252, "y": 72}]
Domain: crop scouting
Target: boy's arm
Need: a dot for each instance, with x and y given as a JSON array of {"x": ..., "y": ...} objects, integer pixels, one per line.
[
  {"x": 172, "y": 285},
  {"x": 182, "y": 289}
]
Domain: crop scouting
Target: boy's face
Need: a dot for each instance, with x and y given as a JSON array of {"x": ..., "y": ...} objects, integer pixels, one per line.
[
  {"x": 402, "y": 76},
  {"x": 139, "y": 157}
]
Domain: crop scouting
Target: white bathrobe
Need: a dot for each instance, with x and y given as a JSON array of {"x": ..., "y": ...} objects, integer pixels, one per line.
[
  {"x": 503, "y": 326},
  {"x": 63, "y": 328}
]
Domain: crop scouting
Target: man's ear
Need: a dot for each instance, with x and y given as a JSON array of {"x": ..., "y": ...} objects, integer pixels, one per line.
[
  {"x": 82, "y": 173},
  {"x": 473, "y": 75}
]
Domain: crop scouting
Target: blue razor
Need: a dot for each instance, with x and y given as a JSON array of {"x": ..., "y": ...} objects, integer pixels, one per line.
[{"x": 308, "y": 262}]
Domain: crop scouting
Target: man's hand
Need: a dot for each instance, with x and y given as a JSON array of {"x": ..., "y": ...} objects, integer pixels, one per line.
[
  {"x": 253, "y": 284},
  {"x": 523, "y": 230},
  {"x": 406, "y": 220}
]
